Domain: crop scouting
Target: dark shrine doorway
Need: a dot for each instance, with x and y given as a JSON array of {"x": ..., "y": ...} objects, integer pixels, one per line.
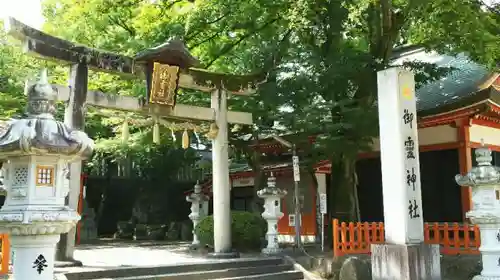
[
  {"x": 370, "y": 189},
  {"x": 441, "y": 196}
]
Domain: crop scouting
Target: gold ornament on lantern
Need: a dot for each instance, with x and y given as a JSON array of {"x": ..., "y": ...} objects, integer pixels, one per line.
[
  {"x": 185, "y": 139},
  {"x": 213, "y": 131}
]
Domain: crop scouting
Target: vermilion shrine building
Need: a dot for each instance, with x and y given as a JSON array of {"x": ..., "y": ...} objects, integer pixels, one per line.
[{"x": 454, "y": 115}]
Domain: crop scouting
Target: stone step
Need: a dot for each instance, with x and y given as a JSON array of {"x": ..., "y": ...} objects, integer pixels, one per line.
[
  {"x": 285, "y": 275},
  {"x": 233, "y": 273},
  {"x": 174, "y": 269}
]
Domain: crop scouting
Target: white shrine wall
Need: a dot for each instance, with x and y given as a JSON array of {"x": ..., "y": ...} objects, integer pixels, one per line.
[
  {"x": 430, "y": 136},
  {"x": 490, "y": 135}
]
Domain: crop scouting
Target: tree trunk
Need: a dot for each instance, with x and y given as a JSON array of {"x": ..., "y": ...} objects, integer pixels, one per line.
[{"x": 342, "y": 197}]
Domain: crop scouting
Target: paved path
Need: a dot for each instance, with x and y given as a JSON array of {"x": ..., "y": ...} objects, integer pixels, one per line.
[
  {"x": 134, "y": 256},
  {"x": 107, "y": 256}
]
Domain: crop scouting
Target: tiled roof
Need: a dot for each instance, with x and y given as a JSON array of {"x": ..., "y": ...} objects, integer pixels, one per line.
[{"x": 456, "y": 86}]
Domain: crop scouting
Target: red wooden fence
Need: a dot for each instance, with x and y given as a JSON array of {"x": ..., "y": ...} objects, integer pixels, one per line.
[
  {"x": 5, "y": 254},
  {"x": 356, "y": 238}
]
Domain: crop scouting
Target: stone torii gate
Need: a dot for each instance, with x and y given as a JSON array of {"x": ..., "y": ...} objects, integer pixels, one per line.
[{"x": 175, "y": 62}]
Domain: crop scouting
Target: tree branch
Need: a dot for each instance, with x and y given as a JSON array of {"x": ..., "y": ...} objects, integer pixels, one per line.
[
  {"x": 374, "y": 28},
  {"x": 206, "y": 40},
  {"x": 495, "y": 9},
  {"x": 385, "y": 40},
  {"x": 122, "y": 24},
  {"x": 165, "y": 5},
  {"x": 277, "y": 55},
  {"x": 227, "y": 48},
  {"x": 202, "y": 29}
]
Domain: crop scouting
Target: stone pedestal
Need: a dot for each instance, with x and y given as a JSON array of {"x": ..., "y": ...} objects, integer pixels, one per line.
[
  {"x": 34, "y": 256},
  {"x": 490, "y": 251},
  {"x": 405, "y": 262},
  {"x": 224, "y": 255}
]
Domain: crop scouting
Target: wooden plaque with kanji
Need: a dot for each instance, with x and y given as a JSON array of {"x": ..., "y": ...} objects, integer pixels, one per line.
[{"x": 164, "y": 84}]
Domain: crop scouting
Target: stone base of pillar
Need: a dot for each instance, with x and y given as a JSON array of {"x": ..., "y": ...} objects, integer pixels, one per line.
[
  {"x": 272, "y": 251},
  {"x": 68, "y": 263},
  {"x": 195, "y": 247},
  {"x": 220, "y": 255},
  {"x": 33, "y": 256},
  {"x": 408, "y": 262}
]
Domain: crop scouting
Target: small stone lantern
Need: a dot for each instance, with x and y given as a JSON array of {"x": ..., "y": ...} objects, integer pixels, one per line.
[
  {"x": 197, "y": 198},
  {"x": 485, "y": 183},
  {"x": 272, "y": 213},
  {"x": 35, "y": 152}
]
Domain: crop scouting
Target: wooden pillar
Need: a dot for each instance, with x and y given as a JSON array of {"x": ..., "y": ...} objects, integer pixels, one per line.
[
  {"x": 74, "y": 117},
  {"x": 465, "y": 161}
]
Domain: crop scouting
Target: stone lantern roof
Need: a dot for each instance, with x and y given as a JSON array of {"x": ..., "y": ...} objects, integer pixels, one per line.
[
  {"x": 482, "y": 174},
  {"x": 271, "y": 189},
  {"x": 39, "y": 133}
]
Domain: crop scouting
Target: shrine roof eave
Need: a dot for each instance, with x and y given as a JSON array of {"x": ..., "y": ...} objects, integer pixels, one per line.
[
  {"x": 482, "y": 95},
  {"x": 472, "y": 106}
]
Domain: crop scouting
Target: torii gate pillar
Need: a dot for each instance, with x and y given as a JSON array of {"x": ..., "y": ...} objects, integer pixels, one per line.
[{"x": 221, "y": 185}]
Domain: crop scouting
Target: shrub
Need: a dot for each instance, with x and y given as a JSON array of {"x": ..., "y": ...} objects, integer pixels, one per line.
[{"x": 247, "y": 230}]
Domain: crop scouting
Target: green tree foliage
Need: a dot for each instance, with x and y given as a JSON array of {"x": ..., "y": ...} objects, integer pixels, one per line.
[
  {"x": 154, "y": 162},
  {"x": 15, "y": 68},
  {"x": 321, "y": 57}
]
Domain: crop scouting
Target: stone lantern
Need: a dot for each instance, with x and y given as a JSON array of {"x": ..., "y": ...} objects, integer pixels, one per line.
[
  {"x": 197, "y": 198},
  {"x": 485, "y": 183},
  {"x": 35, "y": 152},
  {"x": 272, "y": 213}
]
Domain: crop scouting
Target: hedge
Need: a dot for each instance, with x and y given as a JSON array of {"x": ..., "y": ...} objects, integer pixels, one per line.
[{"x": 247, "y": 230}]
